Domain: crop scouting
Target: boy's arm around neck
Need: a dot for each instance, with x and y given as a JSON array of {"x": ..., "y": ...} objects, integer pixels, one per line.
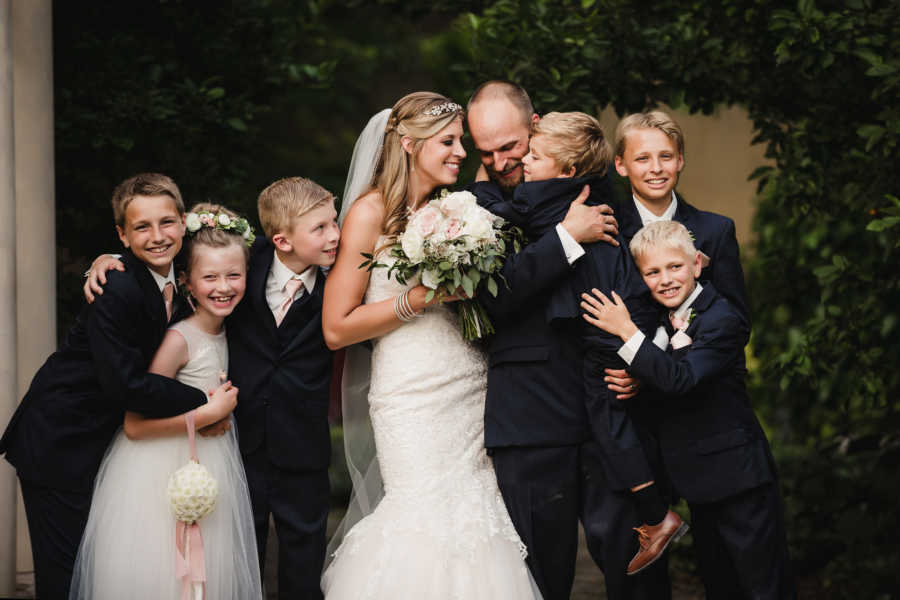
[
  {"x": 115, "y": 326},
  {"x": 717, "y": 345}
]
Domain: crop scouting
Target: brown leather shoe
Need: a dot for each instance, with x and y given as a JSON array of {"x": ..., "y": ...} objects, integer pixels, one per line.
[{"x": 654, "y": 539}]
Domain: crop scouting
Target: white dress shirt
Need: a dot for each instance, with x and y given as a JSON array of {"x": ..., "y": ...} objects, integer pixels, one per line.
[
  {"x": 648, "y": 217},
  {"x": 661, "y": 338},
  {"x": 159, "y": 279},
  {"x": 278, "y": 277},
  {"x": 573, "y": 249}
]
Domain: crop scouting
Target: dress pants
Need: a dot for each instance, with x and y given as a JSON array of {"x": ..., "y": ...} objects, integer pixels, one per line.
[
  {"x": 742, "y": 547},
  {"x": 547, "y": 490},
  {"x": 298, "y": 502},
  {"x": 56, "y": 522}
]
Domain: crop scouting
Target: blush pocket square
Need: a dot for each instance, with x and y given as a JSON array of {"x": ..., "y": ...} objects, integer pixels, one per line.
[{"x": 680, "y": 339}]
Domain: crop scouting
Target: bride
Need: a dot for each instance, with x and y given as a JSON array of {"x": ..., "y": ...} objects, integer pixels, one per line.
[{"x": 441, "y": 529}]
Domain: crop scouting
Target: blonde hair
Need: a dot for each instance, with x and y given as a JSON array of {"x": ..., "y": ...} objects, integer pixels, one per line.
[
  {"x": 408, "y": 118},
  {"x": 656, "y": 119},
  {"x": 576, "y": 141},
  {"x": 286, "y": 200},
  {"x": 662, "y": 234},
  {"x": 211, "y": 236},
  {"x": 144, "y": 184}
]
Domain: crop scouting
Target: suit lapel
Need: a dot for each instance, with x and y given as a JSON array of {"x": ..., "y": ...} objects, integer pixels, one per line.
[
  {"x": 155, "y": 307},
  {"x": 629, "y": 219}
]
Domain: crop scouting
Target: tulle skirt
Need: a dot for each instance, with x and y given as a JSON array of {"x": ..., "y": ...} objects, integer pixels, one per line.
[{"x": 128, "y": 548}]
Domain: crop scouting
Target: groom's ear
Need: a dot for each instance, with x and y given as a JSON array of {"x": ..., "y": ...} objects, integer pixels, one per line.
[
  {"x": 408, "y": 144},
  {"x": 535, "y": 118}
]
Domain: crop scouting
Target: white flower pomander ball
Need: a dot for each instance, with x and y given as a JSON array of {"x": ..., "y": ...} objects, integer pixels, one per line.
[{"x": 192, "y": 492}]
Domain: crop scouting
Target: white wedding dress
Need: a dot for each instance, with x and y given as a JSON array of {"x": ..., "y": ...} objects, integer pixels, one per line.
[
  {"x": 441, "y": 531},
  {"x": 127, "y": 551}
]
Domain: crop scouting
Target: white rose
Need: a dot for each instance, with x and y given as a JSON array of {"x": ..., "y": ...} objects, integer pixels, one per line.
[
  {"x": 430, "y": 279},
  {"x": 456, "y": 204},
  {"x": 224, "y": 220},
  {"x": 192, "y": 222},
  {"x": 479, "y": 224},
  {"x": 413, "y": 245}
]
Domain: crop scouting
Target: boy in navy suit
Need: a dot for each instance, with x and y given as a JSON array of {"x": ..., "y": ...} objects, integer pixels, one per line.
[
  {"x": 713, "y": 448},
  {"x": 279, "y": 356},
  {"x": 279, "y": 359},
  {"x": 649, "y": 151},
  {"x": 77, "y": 400}
]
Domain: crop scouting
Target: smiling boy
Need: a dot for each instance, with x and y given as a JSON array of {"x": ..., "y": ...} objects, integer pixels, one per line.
[
  {"x": 77, "y": 400},
  {"x": 714, "y": 449}
]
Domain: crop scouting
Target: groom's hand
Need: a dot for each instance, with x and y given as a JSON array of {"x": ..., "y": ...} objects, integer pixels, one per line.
[
  {"x": 216, "y": 429},
  {"x": 588, "y": 224}
]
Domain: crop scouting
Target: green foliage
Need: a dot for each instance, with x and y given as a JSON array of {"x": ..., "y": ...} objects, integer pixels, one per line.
[{"x": 820, "y": 81}]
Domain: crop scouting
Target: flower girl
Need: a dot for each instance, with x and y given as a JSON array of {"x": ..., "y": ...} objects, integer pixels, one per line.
[{"x": 129, "y": 546}]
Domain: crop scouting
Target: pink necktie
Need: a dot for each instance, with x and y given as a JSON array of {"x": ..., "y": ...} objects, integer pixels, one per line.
[
  {"x": 290, "y": 290},
  {"x": 677, "y": 323},
  {"x": 168, "y": 293}
]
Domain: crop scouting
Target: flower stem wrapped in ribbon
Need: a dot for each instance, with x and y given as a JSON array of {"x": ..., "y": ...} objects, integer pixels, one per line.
[{"x": 451, "y": 243}]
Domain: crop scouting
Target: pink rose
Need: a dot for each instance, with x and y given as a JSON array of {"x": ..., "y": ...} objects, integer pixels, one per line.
[
  {"x": 453, "y": 229},
  {"x": 426, "y": 220}
]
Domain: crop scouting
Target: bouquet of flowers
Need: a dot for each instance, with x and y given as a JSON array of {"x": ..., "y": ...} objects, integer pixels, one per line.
[{"x": 452, "y": 244}]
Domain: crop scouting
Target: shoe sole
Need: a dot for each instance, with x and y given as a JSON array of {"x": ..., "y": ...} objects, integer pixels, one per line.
[{"x": 679, "y": 533}]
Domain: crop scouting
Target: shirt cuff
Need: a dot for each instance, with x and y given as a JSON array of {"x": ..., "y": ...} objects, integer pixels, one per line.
[
  {"x": 573, "y": 249},
  {"x": 629, "y": 349}
]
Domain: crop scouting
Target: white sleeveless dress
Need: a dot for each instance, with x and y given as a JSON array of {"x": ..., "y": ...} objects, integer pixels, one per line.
[
  {"x": 128, "y": 548},
  {"x": 441, "y": 531}
]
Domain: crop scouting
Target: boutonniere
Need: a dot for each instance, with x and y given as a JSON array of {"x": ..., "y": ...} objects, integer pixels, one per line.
[{"x": 681, "y": 339}]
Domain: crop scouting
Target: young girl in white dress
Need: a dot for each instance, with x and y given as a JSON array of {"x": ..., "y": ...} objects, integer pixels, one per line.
[
  {"x": 128, "y": 548},
  {"x": 441, "y": 530}
]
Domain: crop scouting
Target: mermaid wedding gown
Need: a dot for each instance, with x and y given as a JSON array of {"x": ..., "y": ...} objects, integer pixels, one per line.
[{"x": 441, "y": 531}]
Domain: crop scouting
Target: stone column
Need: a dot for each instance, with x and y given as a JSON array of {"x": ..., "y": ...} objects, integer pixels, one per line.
[
  {"x": 8, "y": 392},
  {"x": 32, "y": 47}
]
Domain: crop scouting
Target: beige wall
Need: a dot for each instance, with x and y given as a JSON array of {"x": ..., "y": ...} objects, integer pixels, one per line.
[{"x": 718, "y": 160}]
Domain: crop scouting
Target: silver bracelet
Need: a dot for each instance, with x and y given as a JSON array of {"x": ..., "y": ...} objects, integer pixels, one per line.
[{"x": 403, "y": 309}]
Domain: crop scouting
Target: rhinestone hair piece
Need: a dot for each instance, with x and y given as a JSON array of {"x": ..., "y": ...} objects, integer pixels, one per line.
[{"x": 440, "y": 109}]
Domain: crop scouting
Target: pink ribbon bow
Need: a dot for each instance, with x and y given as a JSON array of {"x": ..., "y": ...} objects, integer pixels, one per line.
[{"x": 190, "y": 565}]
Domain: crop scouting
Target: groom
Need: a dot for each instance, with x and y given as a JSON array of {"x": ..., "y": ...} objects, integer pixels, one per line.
[{"x": 536, "y": 429}]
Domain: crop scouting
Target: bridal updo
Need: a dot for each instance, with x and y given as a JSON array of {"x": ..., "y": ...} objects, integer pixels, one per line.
[{"x": 419, "y": 116}]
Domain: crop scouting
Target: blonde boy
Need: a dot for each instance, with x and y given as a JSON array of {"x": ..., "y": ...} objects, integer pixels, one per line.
[
  {"x": 278, "y": 353},
  {"x": 713, "y": 448},
  {"x": 650, "y": 149}
]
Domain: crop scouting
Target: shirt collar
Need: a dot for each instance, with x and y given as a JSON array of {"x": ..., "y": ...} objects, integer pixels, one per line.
[
  {"x": 682, "y": 310},
  {"x": 648, "y": 217},
  {"x": 162, "y": 281},
  {"x": 282, "y": 274}
]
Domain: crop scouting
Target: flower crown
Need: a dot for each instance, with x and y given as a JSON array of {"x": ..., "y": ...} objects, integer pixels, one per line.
[{"x": 196, "y": 221}]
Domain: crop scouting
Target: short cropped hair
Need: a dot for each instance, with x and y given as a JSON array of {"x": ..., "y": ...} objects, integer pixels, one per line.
[
  {"x": 144, "y": 184},
  {"x": 662, "y": 234},
  {"x": 286, "y": 200},
  {"x": 656, "y": 119},
  {"x": 498, "y": 88},
  {"x": 575, "y": 140}
]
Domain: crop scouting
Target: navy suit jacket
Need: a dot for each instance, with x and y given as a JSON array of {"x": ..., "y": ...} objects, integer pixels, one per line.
[
  {"x": 283, "y": 373},
  {"x": 714, "y": 235},
  {"x": 77, "y": 400},
  {"x": 535, "y": 394},
  {"x": 711, "y": 442}
]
